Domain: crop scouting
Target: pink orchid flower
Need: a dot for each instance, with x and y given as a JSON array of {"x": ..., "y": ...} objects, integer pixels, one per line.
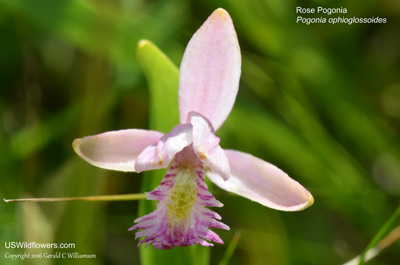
[{"x": 208, "y": 84}]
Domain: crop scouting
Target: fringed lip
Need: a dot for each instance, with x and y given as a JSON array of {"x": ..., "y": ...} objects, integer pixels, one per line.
[{"x": 181, "y": 218}]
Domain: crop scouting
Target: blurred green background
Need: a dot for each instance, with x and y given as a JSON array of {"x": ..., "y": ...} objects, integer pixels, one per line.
[{"x": 321, "y": 102}]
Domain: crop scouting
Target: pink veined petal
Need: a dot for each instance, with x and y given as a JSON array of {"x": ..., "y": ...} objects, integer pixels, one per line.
[
  {"x": 210, "y": 70},
  {"x": 115, "y": 150},
  {"x": 263, "y": 182},
  {"x": 206, "y": 145},
  {"x": 161, "y": 154}
]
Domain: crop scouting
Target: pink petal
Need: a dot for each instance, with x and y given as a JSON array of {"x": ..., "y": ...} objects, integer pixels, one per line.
[
  {"x": 262, "y": 182},
  {"x": 206, "y": 145},
  {"x": 115, "y": 150},
  {"x": 210, "y": 70},
  {"x": 161, "y": 154}
]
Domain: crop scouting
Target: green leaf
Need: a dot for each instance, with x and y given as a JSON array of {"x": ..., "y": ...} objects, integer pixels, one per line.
[{"x": 163, "y": 78}]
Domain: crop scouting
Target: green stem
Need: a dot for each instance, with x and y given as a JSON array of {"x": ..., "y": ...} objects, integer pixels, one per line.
[{"x": 122, "y": 197}]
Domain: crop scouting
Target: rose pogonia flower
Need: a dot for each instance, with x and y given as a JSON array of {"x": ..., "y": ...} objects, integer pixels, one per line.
[{"x": 208, "y": 84}]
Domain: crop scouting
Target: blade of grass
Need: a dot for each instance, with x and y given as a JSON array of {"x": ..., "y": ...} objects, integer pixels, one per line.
[
  {"x": 379, "y": 242},
  {"x": 231, "y": 249},
  {"x": 381, "y": 233},
  {"x": 120, "y": 197}
]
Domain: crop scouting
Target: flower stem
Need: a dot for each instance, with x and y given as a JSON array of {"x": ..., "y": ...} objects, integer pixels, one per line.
[{"x": 122, "y": 197}]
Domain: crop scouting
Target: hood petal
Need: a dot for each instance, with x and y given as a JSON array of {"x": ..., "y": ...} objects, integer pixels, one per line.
[
  {"x": 210, "y": 70},
  {"x": 161, "y": 154},
  {"x": 115, "y": 150},
  {"x": 206, "y": 145},
  {"x": 262, "y": 182}
]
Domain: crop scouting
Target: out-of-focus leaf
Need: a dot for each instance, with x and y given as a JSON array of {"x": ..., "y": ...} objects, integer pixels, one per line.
[
  {"x": 37, "y": 228},
  {"x": 77, "y": 21},
  {"x": 162, "y": 76},
  {"x": 231, "y": 248},
  {"x": 35, "y": 137}
]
